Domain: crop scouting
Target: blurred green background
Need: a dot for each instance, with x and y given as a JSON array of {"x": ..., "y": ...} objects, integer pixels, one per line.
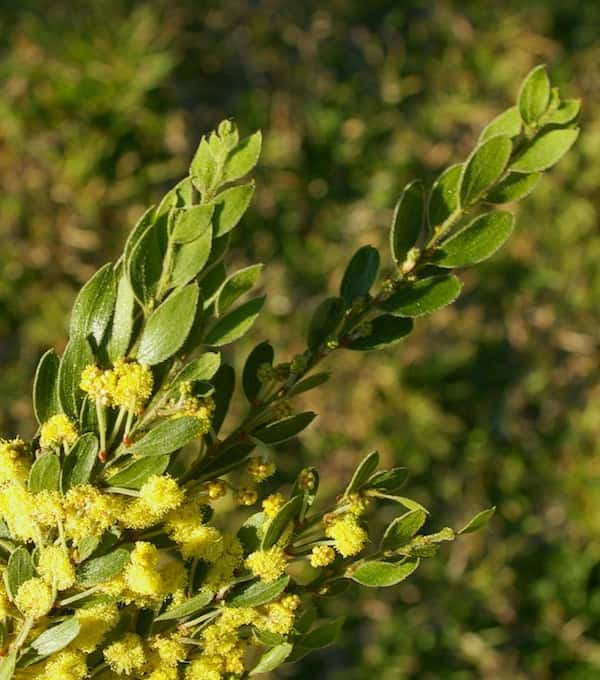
[{"x": 493, "y": 401}]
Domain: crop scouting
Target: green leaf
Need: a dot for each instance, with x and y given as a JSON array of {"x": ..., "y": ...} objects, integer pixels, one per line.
[
  {"x": 388, "y": 480},
  {"x": 386, "y": 330},
  {"x": 202, "y": 368},
  {"x": 45, "y": 474},
  {"x": 224, "y": 384},
  {"x": 402, "y": 529},
  {"x": 377, "y": 574},
  {"x": 257, "y": 593},
  {"x": 167, "y": 437},
  {"x": 189, "y": 259},
  {"x": 168, "y": 326},
  {"x": 477, "y": 241},
  {"x": 534, "y": 95},
  {"x": 45, "y": 387},
  {"x": 566, "y": 112},
  {"x": 251, "y": 533},
  {"x": 243, "y": 158},
  {"x": 234, "y": 325},
  {"x": 507, "y": 123},
  {"x": 484, "y": 166},
  {"x": 324, "y": 635},
  {"x": 79, "y": 464},
  {"x": 407, "y": 503},
  {"x": 443, "y": 199},
  {"x": 272, "y": 658},
  {"x": 309, "y": 383},
  {"x": 94, "y": 306},
  {"x": 145, "y": 264},
  {"x": 20, "y": 569},
  {"x": 284, "y": 429},
  {"x": 135, "y": 475},
  {"x": 545, "y": 150},
  {"x": 191, "y": 606},
  {"x": 480, "y": 520},
  {"x": 363, "y": 472},
  {"x": 231, "y": 204},
  {"x": 423, "y": 296},
  {"x": 56, "y": 638},
  {"x": 188, "y": 224},
  {"x": 325, "y": 321},
  {"x": 407, "y": 221},
  {"x": 122, "y": 323},
  {"x": 76, "y": 357},
  {"x": 203, "y": 168},
  {"x": 288, "y": 513},
  {"x": 360, "y": 274},
  {"x": 513, "y": 187},
  {"x": 103, "y": 568},
  {"x": 235, "y": 286},
  {"x": 137, "y": 232},
  {"x": 263, "y": 353}
]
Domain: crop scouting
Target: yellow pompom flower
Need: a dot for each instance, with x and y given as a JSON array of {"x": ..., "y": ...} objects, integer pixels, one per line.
[
  {"x": 47, "y": 508},
  {"x": 279, "y": 616},
  {"x": 58, "y": 430},
  {"x": 88, "y": 512},
  {"x": 17, "y": 508},
  {"x": 160, "y": 493},
  {"x": 273, "y": 504},
  {"x": 170, "y": 650},
  {"x": 66, "y": 665},
  {"x": 350, "y": 538},
  {"x": 230, "y": 559},
  {"x": 55, "y": 567},
  {"x": 322, "y": 556},
  {"x": 126, "y": 656},
  {"x": 216, "y": 489},
  {"x": 95, "y": 622},
  {"x": 259, "y": 469},
  {"x": 133, "y": 386},
  {"x": 14, "y": 463},
  {"x": 246, "y": 496},
  {"x": 269, "y": 564},
  {"x": 98, "y": 384},
  {"x": 205, "y": 668},
  {"x": 152, "y": 574},
  {"x": 34, "y": 598}
]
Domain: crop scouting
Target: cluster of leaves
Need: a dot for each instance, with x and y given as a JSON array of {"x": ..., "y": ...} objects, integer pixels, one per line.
[{"x": 164, "y": 307}]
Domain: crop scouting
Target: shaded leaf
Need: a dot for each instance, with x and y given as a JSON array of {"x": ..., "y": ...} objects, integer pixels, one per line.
[
  {"x": 423, "y": 296},
  {"x": 19, "y": 570},
  {"x": 545, "y": 150},
  {"x": 324, "y": 635},
  {"x": 45, "y": 387},
  {"x": 167, "y": 437},
  {"x": 79, "y": 464},
  {"x": 288, "y": 513},
  {"x": 309, "y": 383},
  {"x": 284, "y": 429},
  {"x": 135, "y": 475},
  {"x": 263, "y": 353},
  {"x": 363, "y": 472},
  {"x": 94, "y": 305},
  {"x": 407, "y": 220},
  {"x": 360, "y": 274},
  {"x": 234, "y": 325},
  {"x": 325, "y": 321},
  {"x": 235, "y": 286},
  {"x": 76, "y": 357},
  {"x": 386, "y": 330},
  {"x": 45, "y": 474},
  {"x": 224, "y": 384}
]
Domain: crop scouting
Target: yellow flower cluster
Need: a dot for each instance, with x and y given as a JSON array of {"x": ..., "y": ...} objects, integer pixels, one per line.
[
  {"x": 349, "y": 536},
  {"x": 245, "y": 496},
  {"x": 259, "y": 469},
  {"x": 159, "y": 495},
  {"x": 273, "y": 504},
  {"x": 153, "y": 575},
  {"x": 55, "y": 567},
  {"x": 216, "y": 489},
  {"x": 128, "y": 385},
  {"x": 14, "y": 462},
  {"x": 66, "y": 665},
  {"x": 192, "y": 406},
  {"x": 322, "y": 556},
  {"x": 126, "y": 656},
  {"x": 95, "y": 622},
  {"x": 34, "y": 598},
  {"x": 58, "y": 430},
  {"x": 269, "y": 564}
]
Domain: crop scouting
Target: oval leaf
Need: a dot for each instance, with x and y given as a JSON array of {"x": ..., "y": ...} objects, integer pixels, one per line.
[
  {"x": 402, "y": 529},
  {"x": 284, "y": 429},
  {"x": 363, "y": 472},
  {"x": 534, "y": 95},
  {"x": 477, "y": 241},
  {"x": 168, "y": 326},
  {"x": 224, "y": 384},
  {"x": 103, "y": 568},
  {"x": 167, "y": 437},
  {"x": 188, "y": 224},
  {"x": 79, "y": 464},
  {"x": 122, "y": 323},
  {"x": 424, "y": 296},
  {"x": 483, "y": 167},
  {"x": 407, "y": 220},
  {"x": 545, "y": 150},
  {"x": 202, "y": 368},
  {"x": 234, "y": 325},
  {"x": 94, "y": 306},
  {"x": 243, "y": 158},
  {"x": 383, "y": 574},
  {"x": 272, "y": 658},
  {"x": 145, "y": 264},
  {"x": 190, "y": 258},
  {"x": 135, "y": 475},
  {"x": 443, "y": 200},
  {"x": 76, "y": 357},
  {"x": 324, "y": 635},
  {"x": 263, "y": 353},
  {"x": 235, "y": 286},
  {"x": 360, "y": 274},
  {"x": 20, "y": 569},
  {"x": 507, "y": 123},
  {"x": 386, "y": 330},
  {"x": 191, "y": 606},
  {"x": 325, "y": 321},
  {"x": 513, "y": 187},
  {"x": 258, "y": 593},
  {"x": 480, "y": 520},
  {"x": 56, "y": 638},
  {"x": 231, "y": 204},
  {"x": 45, "y": 474},
  {"x": 45, "y": 387},
  {"x": 288, "y": 513}
]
